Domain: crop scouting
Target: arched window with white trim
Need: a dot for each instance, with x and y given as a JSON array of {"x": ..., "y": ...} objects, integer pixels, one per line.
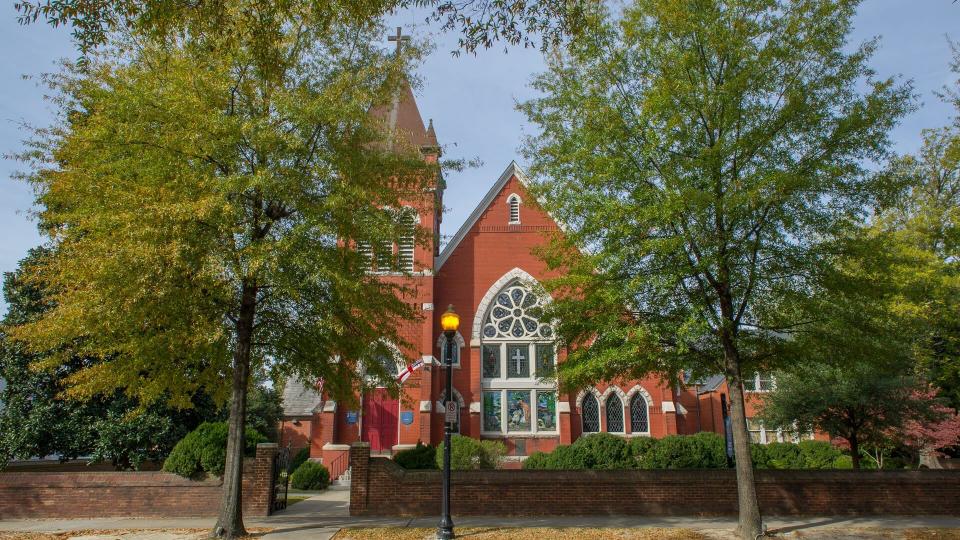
[
  {"x": 639, "y": 414},
  {"x": 590, "y": 414},
  {"x": 614, "y": 410},
  {"x": 518, "y": 358},
  {"x": 513, "y": 204}
]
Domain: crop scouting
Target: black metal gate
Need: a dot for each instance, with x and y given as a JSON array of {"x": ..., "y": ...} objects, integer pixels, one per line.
[{"x": 281, "y": 480}]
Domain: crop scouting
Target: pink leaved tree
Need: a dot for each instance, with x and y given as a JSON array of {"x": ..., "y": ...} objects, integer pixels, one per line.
[{"x": 929, "y": 436}]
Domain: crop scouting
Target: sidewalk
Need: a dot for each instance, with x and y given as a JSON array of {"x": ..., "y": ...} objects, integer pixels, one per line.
[{"x": 323, "y": 514}]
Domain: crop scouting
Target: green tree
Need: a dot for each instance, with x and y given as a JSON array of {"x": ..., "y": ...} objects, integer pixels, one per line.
[
  {"x": 38, "y": 421},
  {"x": 481, "y": 24},
  {"x": 855, "y": 401},
  {"x": 199, "y": 190},
  {"x": 699, "y": 154},
  {"x": 924, "y": 217}
]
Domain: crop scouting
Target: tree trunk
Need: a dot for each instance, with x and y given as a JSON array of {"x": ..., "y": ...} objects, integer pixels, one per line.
[
  {"x": 854, "y": 450},
  {"x": 750, "y": 524},
  {"x": 230, "y": 521}
]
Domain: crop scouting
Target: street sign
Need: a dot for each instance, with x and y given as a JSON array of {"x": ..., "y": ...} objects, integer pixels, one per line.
[{"x": 451, "y": 412}]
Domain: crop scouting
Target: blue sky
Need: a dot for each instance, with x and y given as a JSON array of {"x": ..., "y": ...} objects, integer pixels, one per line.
[{"x": 471, "y": 98}]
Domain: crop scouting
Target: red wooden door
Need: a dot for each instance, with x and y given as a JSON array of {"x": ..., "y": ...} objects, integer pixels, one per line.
[{"x": 380, "y": 412}]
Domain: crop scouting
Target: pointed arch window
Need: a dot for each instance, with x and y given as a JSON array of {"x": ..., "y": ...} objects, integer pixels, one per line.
[
  {"x": 639, "y": 415},
  {"x": 614, "y": 410},
  {"x": 518, "y": 357},
  {"x": 590, "y": 412},
  {"x": 513, "y": 204}
]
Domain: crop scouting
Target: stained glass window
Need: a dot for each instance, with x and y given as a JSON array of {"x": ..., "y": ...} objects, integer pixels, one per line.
[
  {"x": 545, "y": 360},
  {"x": 491, "y": 361},
  {"x": 518, "y": 410},
  {"x": 491, "y": 411},
  {"x": 590, "y": 410},
  {"x": 614, "y": 414},
  {"x": 546, "y": 411},
  {"x": 513, "y": 315},
  {"x": 638, "y": 415},
  {"x": 518, "y": 361}
]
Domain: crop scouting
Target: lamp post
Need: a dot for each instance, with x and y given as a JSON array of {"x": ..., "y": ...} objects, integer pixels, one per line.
[{"x": 449, "y": 322}]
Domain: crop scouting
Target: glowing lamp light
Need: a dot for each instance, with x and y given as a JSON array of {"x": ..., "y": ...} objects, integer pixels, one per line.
[{"x": 450, "y": 321}]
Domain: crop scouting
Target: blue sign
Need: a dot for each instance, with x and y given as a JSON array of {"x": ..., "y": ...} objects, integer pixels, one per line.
[
  {"x": 351, "y": 417},
  {"x": 406, "y": 417},
  {"x": 728, "y": 434}
]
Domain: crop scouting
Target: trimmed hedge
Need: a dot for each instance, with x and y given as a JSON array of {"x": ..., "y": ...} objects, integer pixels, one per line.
[
  {"x": 467, "y": 453},
  {"x": 310, "y": 475},
  {"x": 204, "y": 450},
  {"x": 700, "y": 451},
  {"x": 423, "y": 456}
]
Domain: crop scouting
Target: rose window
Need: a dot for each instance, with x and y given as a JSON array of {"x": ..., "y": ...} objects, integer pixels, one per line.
[{"x": 512, "y": 316}]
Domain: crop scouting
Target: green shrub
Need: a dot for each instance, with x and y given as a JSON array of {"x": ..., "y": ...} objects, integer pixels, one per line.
[
  {"x": 784, "y": 455},
  {"x": 761, "y": 459},
  {"x": 537, "y": 460},
  {"x": 603, "y": 451},
  {"x": 640, "y": 448},
  {"x": 467, "y": 453},
  {"x": 818, "y": 454},
  {"x": 843, "y": 462},
  {"x": 204, "y": 450},
  {"x": 423, "y": 456},
  {"x": 700, "y": 451},
  {"x": 310, "y": 475},
  {"x": 300, "y": 457}
]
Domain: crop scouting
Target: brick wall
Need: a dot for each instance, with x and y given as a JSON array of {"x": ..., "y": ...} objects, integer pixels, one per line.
[
  {"x": 381, "y": 487},
  {"x": 130, "y": 494}
]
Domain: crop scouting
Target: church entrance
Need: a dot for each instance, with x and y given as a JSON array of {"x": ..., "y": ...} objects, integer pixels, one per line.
[{"x": 380, "y": 418}]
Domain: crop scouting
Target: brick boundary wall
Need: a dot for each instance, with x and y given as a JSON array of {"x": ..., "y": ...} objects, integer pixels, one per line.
[
  {"x": 380, "y": 487},
  {"x": 35, "y": 495}
]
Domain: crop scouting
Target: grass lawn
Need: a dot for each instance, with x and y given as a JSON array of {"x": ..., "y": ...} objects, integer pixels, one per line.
[
  {"x": 515, "y": 533},
  {"x": 294, "y": 499}
]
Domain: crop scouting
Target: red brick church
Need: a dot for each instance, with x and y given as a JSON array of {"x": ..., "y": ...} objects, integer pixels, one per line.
[{"x": 501, "y": 352}]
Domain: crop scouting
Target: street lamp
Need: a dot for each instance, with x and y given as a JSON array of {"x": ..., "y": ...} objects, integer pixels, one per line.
[{"x": 449, "y": 322}]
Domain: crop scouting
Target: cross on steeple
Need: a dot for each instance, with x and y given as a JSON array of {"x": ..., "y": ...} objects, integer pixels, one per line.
[{"x": 399, "y": 38}]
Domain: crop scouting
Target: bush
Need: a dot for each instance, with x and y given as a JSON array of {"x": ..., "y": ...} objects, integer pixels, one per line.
[
  {"x": 421, "y": 457},
  {"x": 640, "y": 448},
  {"x": 700, "y": 451},
  {"x": 536, "y": 460},
  {"x": 310, "y": 475},
  {"x": 761, "y": 459},
  {"x": 603, "y": 451},
  {"x": 204, "y": 450},
  {"x": 784, "y": 455},
  {"x": 467, "y": 453},
  {"x": 843, "y": 462},
  {"x": 300, "y": 457},
  {"x": 818, "y": 454}
]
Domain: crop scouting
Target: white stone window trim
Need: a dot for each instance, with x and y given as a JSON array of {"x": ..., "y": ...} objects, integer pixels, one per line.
[
  {"x": 398, "y": 358},
  {"x": 637, "y": 389},
  {"x": 395, "y": 248},
  {"x": 611, "y": 390},
  {"x": 459, "y": 344},
  {"x": 486, "y": 302},
  {"x": 534, "y": 431},
  {"x": 514, "y": 202},
  {"x": 599, "y": 398},
  {"x": 756, "y": 377}
]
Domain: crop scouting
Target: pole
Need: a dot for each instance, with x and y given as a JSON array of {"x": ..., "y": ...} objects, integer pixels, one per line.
[{"x": 445, "y": 529}]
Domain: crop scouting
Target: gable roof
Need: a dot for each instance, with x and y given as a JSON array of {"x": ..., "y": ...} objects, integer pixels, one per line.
[
  {"x": 300, "y": 399},
  {"x": 512, "y": 170}
]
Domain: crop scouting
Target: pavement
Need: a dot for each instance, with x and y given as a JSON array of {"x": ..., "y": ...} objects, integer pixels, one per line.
[{"x": 324, "y": 513}]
